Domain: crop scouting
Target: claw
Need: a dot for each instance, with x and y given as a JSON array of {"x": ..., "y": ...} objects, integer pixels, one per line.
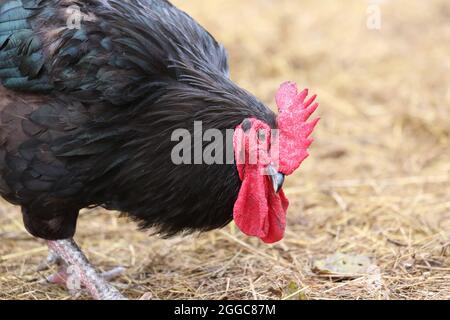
[
  {"x": 146, "y": 296},
  {"x": 113, "y": 273},
  {"x": 59, "y": 278}
]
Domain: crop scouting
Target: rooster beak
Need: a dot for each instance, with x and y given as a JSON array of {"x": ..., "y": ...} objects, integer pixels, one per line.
[{"x": 276, "y": 178}]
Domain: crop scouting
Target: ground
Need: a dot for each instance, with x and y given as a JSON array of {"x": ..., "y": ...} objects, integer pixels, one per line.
[{"x": 377, "y": 184}]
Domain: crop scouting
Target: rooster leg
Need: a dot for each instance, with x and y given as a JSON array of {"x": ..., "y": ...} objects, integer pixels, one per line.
[
  {"x": 62, "y": 275},
  {"x": 81, "y": 272}
]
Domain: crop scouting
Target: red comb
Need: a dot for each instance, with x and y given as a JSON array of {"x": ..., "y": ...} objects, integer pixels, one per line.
[{"x": 294, "y": 130}]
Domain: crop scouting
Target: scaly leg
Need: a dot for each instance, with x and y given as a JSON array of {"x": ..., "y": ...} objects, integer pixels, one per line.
[
  {"x": 61, "y": 277},
  {"x": 71, "y": 254}
]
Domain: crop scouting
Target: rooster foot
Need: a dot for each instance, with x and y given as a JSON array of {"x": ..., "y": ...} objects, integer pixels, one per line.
[{"x": 75, "y": 272}]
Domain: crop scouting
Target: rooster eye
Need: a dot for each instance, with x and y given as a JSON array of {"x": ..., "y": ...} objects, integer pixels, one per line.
[
  {"x": 246, "y": 125},
  {"x": 261, "y": 135}
]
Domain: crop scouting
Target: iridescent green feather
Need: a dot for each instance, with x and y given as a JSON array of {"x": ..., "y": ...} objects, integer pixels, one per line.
[{"x": 21, "y": 58}]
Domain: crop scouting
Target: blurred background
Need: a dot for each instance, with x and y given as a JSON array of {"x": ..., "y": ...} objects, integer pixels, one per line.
[{"x": 370, "y": 208}]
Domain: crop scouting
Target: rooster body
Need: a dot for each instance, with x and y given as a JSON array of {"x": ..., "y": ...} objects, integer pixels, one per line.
[
  {"x": 87, "y": 114},
  {"x": 92, "y": 92}
]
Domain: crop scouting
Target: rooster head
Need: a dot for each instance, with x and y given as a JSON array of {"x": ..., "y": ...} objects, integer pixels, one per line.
[{"x": 265, "y": 156}]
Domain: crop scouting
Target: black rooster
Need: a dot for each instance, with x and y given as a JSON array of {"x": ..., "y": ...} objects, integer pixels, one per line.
[{"x": 91, "y": 93}]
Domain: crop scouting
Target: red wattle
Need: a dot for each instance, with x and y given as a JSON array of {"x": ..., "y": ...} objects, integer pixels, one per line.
[{"x": 259, "y": 211}]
